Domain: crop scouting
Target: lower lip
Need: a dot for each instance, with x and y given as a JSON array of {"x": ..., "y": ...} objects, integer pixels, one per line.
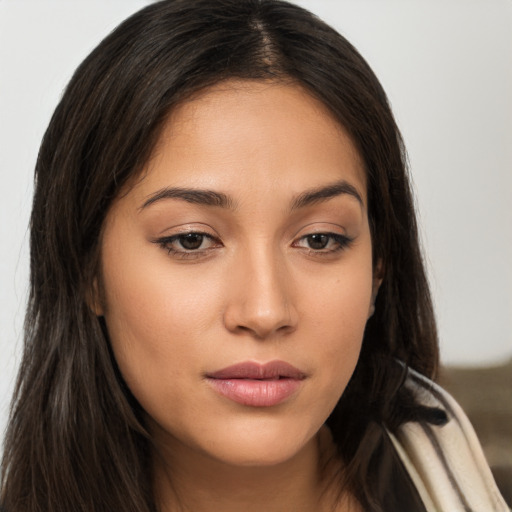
[{"x": 256, "y": 393}]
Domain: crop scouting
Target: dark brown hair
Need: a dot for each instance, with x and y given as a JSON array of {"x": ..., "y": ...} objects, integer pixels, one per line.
[{"x": 76, "y": 439}]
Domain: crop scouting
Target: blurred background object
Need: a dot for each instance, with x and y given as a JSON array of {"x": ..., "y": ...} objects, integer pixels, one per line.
[{"x": 485, "y": 394}]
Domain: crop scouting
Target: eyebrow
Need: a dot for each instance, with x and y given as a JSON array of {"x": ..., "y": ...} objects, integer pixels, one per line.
[
  {"x": 219, "y": 199},
  {"x": 325, "y": 193},
  {"x": 191, "y": 195}
]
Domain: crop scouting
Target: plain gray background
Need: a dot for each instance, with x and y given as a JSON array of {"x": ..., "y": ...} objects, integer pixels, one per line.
[{"x": 447, "y": 68}]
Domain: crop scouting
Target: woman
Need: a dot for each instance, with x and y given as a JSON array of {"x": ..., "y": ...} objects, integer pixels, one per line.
[{"x": 228, "y": 305}]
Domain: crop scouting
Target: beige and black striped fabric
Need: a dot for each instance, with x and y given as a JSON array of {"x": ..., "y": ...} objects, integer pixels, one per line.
[{"x": 446, "y": 463}]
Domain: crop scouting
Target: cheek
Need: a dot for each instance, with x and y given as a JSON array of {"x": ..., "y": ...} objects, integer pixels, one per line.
[
  {"x": 154, "y": 317},
  {"x": 155, "y": 344},
  {"x": 338, "y": 312},
  {"x": 339, "y": 303},
  {"x": 148, "y": 298}
]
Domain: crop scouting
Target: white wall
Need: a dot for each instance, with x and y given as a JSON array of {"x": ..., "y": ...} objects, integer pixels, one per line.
[{"x": 447, "y": 67}]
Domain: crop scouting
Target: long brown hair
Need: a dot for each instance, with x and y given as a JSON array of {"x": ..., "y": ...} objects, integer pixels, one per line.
[{"x": 76, "y": 440}]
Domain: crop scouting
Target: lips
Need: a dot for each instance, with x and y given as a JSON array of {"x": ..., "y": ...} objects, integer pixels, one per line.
[{"x": 257, "y": 385}]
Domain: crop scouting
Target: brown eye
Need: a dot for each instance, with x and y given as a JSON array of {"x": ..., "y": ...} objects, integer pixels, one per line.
[
  {"x": 191, "y": 245},
  {"x": 317, "y": 241},
  {"x": 191, "y": 241},
  {"x": 323, "y": 244}
]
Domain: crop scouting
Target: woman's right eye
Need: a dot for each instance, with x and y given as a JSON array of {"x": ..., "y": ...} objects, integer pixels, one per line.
[
  {"x": 191, "y": 241},
  {"x": 188, "y": 245}
]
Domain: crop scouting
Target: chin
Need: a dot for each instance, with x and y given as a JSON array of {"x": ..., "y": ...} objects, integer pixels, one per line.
[
  {"x": 258, "y": 446},
  {"x": 247, "y": 457}
]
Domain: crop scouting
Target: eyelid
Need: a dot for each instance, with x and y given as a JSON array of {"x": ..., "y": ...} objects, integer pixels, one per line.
[
  {"x": 336, "y": 242},
  {"x": 187, "y": 227},
  {"x": 333, "y": 236},
  {"x": 165, "y": 242},
  {"x": 341, "y": 241}
]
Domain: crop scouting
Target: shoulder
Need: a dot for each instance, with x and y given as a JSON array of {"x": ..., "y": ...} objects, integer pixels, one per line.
[{"x": 446, "y": 463}]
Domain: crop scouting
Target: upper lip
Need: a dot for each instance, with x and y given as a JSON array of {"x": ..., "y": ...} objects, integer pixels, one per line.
[{"x": 258, "y": 371}]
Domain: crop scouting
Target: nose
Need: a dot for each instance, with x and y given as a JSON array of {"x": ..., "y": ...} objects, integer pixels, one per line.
[{"x": 261, "y": 300}]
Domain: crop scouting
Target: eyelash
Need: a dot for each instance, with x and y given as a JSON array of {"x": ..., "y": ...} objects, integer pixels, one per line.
[
  {"x": 341, "y": 242},
  {"x": 168, "y": 241}
]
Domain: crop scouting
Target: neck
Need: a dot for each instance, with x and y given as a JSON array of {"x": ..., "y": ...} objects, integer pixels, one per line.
[{"x": 186, "y": 482}]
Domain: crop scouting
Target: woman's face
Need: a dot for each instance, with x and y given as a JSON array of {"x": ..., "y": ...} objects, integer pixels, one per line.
[{"x": 237, "y": 274}]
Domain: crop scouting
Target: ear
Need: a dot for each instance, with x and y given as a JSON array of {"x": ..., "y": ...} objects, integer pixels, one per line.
[
  {"x": 94, "y": 298},
  {"x": 378, "y": 276}
]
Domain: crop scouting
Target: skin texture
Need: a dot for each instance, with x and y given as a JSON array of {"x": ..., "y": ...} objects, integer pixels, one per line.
[{"x": 253, "y": 290}]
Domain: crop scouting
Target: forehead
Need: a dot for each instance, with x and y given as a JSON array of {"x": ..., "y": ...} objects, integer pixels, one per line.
[{"x": 250, "y": 135}]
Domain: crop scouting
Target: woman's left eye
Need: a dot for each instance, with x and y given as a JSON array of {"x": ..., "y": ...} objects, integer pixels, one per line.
[{"x": 323, "y": 242}]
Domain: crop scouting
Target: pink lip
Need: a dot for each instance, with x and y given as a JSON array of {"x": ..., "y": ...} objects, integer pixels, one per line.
[{"x": 257, "y": 385}]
